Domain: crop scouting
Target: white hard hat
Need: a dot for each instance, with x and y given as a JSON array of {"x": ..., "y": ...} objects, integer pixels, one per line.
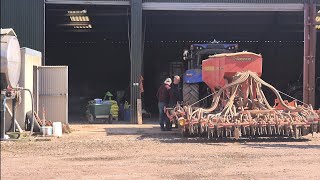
[{"x": 168, "y": 81}]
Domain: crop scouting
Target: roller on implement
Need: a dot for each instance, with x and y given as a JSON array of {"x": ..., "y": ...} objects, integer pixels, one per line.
[{"x": 239, "y": 106}]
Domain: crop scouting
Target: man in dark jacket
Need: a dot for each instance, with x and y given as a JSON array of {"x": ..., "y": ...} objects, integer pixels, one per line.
[
  {"x": 174, "y": 92},
  {"x": 175, "y": 95},
  {"x": 163, "y": 100}
]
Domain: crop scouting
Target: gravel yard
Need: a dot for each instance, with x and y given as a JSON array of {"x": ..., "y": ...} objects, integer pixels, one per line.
[{"x": 121, "y": 151}]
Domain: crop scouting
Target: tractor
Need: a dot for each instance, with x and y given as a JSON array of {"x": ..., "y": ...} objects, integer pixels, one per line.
[
  {"x": 194, "y": 88},
  {"x": 239, "y": 107}
]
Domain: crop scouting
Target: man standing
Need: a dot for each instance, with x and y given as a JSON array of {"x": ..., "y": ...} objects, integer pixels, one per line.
[
  {"x": 175, "y": 92},
  {"x": 175, "y": 95},
  {"x": 163, "y": 100}
]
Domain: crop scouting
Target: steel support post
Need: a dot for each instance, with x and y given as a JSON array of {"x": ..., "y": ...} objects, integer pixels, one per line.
[
  {"x": 135, "y": 55},
  {"x": 312, "y": 48},
  {"x": 309, "y": 52},
  {"x": 306, "y": 54}
]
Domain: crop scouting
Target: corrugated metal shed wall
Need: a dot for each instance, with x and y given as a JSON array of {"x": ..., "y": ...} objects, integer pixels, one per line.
[{"x": 26, "y": 17}]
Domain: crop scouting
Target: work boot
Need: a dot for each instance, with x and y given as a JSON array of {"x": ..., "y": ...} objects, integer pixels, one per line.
[
  {"x": 168, "y": 126},
  {"x": 162, "y": 127}
]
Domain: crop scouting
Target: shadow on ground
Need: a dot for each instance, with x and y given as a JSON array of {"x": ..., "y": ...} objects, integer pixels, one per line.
[
  {"x": 150, "y": 131},
  {"x": 174, "y": 136},
  {"x": 266, "y": 146}
]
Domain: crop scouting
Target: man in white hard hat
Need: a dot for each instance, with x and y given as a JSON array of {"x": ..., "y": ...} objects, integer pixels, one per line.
[
  {"x": 163, "y": 101},
  {"x": 175, "y": 95}
]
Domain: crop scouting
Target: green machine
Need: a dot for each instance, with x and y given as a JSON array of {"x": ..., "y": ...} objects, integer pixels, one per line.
[
  {"x": 106, "y": 110},
  {"x": 99, "y": 111}
]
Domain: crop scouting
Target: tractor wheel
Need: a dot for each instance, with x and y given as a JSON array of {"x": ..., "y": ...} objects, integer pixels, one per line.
[
  {"x": 190, "y": 93},
  {"x": 205, "y": 91}
]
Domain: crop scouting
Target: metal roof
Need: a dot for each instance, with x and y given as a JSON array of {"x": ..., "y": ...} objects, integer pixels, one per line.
[
  {"x": 222, "y": 6},
  {"x": 127, "y": 2}
]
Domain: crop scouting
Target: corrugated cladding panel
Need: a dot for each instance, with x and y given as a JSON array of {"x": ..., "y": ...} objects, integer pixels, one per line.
[
  {"x": 136, "y": 55},
  {"x": 229, "y": 1},
  {"x": 53, "y": 80},
  {"x": 55, "y": 108},
  {"x": 53, "y": 92},
  {"x": 26, "y": 17}
]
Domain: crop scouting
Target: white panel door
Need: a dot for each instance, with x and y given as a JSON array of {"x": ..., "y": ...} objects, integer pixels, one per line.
[{"x": 53, "y": 93}]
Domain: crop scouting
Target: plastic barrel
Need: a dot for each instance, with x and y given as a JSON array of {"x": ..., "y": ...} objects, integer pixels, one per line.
[
  {"x": 47, "y": 130},
  {"x": 57, "y": 129},
  {"x": 98, "y": 101}
]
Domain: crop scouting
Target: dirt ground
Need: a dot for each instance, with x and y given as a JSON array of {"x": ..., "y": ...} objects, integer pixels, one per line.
[{"x": 119, "y": 151}]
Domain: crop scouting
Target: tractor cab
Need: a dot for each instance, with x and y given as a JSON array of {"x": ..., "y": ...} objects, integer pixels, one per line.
[
  {"x": 199, "y": 52},
  {"x": 194, "y": 88}
]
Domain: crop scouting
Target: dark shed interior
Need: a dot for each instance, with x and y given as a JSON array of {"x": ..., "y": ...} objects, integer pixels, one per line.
[{"x": 99, "y": 60}]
